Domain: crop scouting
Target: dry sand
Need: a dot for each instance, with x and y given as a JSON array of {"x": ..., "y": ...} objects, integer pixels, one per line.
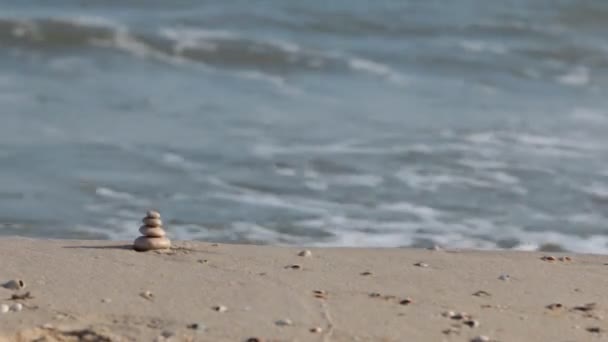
[{"x": 92, "y": 290}]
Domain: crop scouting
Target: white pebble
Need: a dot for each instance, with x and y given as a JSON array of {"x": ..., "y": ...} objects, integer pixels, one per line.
[
  {"x": 284, "y": 322},
  {"x": 17, "y": 307},
  {"x": 220, "y": 308},
  {"x": 4, "y": 308},
  {"x": 305, "y": 253}
]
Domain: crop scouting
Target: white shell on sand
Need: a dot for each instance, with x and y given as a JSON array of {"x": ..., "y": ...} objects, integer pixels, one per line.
[
  {"x": 153, "y": 214},
  {"x": 4, "y": 308},
  {"x": 152, "y": 222},
  {"x": 144, "y": 243},
  {"x": 16, "y": 284},
  {"x": 17, "y": 307},
  {"x": 152, "y": 231}
]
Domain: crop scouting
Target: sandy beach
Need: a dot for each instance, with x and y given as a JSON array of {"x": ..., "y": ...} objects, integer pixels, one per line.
[{"x": 105, "y": 291}]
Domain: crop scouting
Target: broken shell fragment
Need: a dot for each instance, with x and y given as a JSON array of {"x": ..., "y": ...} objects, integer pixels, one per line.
[
  {"x": 4, "y": 308},
  {"x": 305, "y": 253},
  {"x": 144, "y": 243},
  {"x": 152, "y": 231},
  {"x": 482, "y": 293},
  {"x": 16, "y": 307},
  {"x": 548, "y": 258},
  {"x": 565, "y": 258},
  {"x": 421, "y": 264},
  {"x": 294, "y": 267},
  {"x": 316, "y": 330},
  {"x": 16, "y": 284}
]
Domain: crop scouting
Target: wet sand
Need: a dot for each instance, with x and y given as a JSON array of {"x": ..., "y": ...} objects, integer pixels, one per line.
[{"x": 105, "y": 291}]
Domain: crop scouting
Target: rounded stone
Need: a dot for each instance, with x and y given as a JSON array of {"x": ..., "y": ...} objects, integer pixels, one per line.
[
  {"x": 152, "y": 222},
  {"x": 153, "y": 214},
  {"x": 144, "y": 243},
  {"x": 152, "y": 231}
]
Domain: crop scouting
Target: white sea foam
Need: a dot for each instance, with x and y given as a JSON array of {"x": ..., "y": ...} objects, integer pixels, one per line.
[
  {"x": 577, "y": 77},
  {"x": 597, "y": 190},
  {"x": 590, "y": 116},
  {"x": 479, "y": 46},
  {"x": 432, "y": 181},
  {"x": 356, "y": 180},
  {"x": 375, "y": 68},
  {"x": 113, "y": 194},
  {"x": 423, "y": 212}
]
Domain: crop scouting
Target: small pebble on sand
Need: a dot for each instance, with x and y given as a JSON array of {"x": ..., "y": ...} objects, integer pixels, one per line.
[
  {"x": 220, "y": 308},
  {"x": 406, "y": 301},
  {"x": 305, "y": 253},
  {"x": 481, "y": 339},
  {"x": 504, "y": 277},
  {"x": 147, "y": 295},
  {"x": 421, "y": 264},
  {"x": 4, "y": 308},
  {"x": 17, "y": 307},
  {"x": 366, "y": 273},
  {"x": 316, "y": 330},
  {"x": 284, "y": 322}
]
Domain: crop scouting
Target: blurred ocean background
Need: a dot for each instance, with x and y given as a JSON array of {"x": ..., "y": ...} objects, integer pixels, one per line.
[{"x": 472, "y": 123}]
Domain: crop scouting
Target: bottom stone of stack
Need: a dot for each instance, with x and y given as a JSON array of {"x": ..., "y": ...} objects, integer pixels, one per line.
[{"x": 144, "y": 243}]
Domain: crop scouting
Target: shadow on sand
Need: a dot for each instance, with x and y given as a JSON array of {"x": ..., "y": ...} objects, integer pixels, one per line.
[{"x": 125, "y": 247}]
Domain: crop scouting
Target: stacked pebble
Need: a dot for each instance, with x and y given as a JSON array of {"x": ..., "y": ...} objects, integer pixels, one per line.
[{"x": 153, "y": 234}]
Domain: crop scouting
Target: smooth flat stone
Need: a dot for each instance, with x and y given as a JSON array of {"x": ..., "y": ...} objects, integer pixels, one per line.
[
  {"x": 152, "y": 231},
  {"x": 144, "y": 243},
  {"x": 152, "y": 222},
  {"x": 153, "y": 214}
]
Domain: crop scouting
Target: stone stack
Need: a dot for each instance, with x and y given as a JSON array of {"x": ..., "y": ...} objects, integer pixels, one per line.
[{"x": 153, "y": 234}]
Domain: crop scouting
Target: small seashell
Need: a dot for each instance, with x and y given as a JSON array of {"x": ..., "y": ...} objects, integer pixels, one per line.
[
  {"x": 147, "y": 295},
  {"x": 320, "y": 294},
  {"x": 585, "y": 308},
  {"x": 421, "y": 264},
  {"x": 555, "y": 306},
  {"x": 316, "y": 330},
  {"x": 153, "y": 214},
  {"x": 482, "y": 293},
  {"x": 305, "y": 253},
  {"x": 17, "y": 284},
  {"x": 448, "y": 314},
  {"x": 504, "y": 277},
  {"x": 196, "y": 326},
  {"x": 406, "y": 301},
  {"x": 548, "y": 258},
  {"x": 471, "y": 323},
  {"x": 366, "y": 273},
  {"x": 284, "y": 322},
  {"x": 17, "y": 307},
  {"x": 144, "y": 243},
  {"x": 4, "y": 308},
  {"x": 220, "y": 308},
  {"x": 152, "y": 231},
  {"x": 481, "y": 339},
  {"x": 152, "y": 222},
  {"x": 47, "y": 326},
  {"x": 294, "y": 267}
]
